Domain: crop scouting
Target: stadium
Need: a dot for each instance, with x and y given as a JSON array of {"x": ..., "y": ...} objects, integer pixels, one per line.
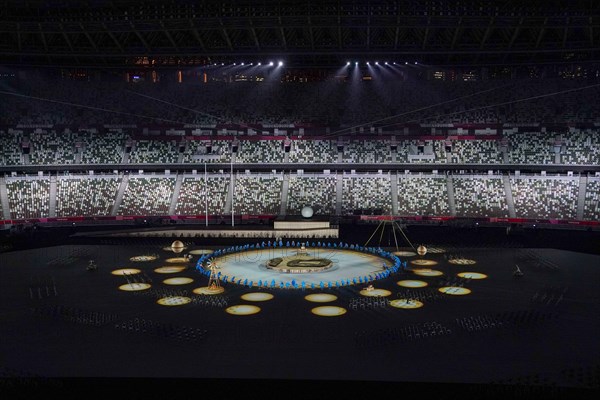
[{"x": 226, "y": 198}]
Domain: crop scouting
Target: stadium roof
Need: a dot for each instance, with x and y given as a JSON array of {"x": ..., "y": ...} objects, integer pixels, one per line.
[{"x": 319, "y": 33}]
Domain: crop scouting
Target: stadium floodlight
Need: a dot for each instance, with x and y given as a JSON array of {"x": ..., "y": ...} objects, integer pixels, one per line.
[
  {"x": 280, "y": 63},
  {"x": 386, "y": 63},
  {"x": 242, "y": 64},
  {"x": 376, "y": 62},
  {"x": 259, "y": 63},
  {"x": 347, "y": 62},
  {"x": 355, "y": 62},
  {"x": 405, "y": 62},
  {"x": 271, "y": 63}
]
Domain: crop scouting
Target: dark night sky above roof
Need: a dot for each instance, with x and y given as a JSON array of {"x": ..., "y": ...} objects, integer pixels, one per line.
[{"x": 316, "y": 33}]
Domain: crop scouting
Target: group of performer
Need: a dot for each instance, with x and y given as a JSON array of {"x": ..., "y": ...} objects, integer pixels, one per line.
[{"x": 206, "y": 259}]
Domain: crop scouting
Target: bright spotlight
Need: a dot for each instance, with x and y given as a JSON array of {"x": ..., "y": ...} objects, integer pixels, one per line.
[
  {"x": 405, "y": 62},
  {"x": 386, "y": 63},
  {"x": 347, "y": 62},
  {"x": 280, "y": 63},
  {"x": 242, "y": 64},
  {"x": 271, "y": 63},
  {"x": 355, "y": 62},
  {"x": 376, "y": 62},
  {"x": 415, "y": 63},
  {"x": 259, "y": 63},
  {"x": 234, "y": 64}
]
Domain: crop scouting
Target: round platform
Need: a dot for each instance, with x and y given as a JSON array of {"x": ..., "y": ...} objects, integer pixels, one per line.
[{"x": 328, "y": 311}]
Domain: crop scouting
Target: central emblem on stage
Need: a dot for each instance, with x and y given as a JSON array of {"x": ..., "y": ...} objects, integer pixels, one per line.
[{"x": 300, "y": 263}]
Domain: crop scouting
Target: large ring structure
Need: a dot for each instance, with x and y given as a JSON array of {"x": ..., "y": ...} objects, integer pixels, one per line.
[{"x": 332, "y": 267}]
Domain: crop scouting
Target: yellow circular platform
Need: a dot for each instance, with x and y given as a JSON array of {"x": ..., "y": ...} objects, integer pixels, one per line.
[
  {"x": 134, "y": 287},
  {"x": 404, "y": 253},
  {"x": 242, "y": 309},
  {"x": 328, "y": 311},
  {"x": 462, "y": 261},
  {"x": 427, "y": 272},
  {"x": 201, "y": 251},
  {"x": 423, "y": 262},
  {"x": 170, "y": 269},
  {"x": 178, "y": 281},
  {"x": 320, "y": 297},
  {"x": 454, "y": 290},
  {"x": 126, "y": 271},
  {"x": 207, "y": 290},
  {"x": 472, "y": 275},
  {"x": 375, "y": 293},
  {"x": 257, "y": 296},
  {"x": 174, "y": 301},
  {"x": 176, "y": 260},
  {"x": 406, "y": 303},
  {"x": 143, "y": 258},
  {"x": 412, "y": 284}
]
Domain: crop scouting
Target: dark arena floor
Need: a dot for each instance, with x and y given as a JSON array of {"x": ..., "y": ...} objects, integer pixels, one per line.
[{"x": 65, "y": 328}]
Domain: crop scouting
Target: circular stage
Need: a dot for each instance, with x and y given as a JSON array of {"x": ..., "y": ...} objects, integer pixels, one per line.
[
  {"x": 472, "y": 275},
  {"x": 176, "y": 260},
  {"x": 348, "y": 267},
  {"x": 321, "y": 297},
  {"x": 242, "y": 309},
  {"x": 375, "y": 292},
  {"x": 423, "y": 263},
  {"x": 174, "y": 301},
  {"x": 403, "y": 253},
  {"x": 328, "y": 311},
  {"x": 208, "y": 290},
  {"x": 411, "y": 284},
  {"x": 257, "y": 296},
  {"x": 170, "y": 269},
  {"x": 427, "y": 272},
  {"x": 143, "y": 258},
  {"x": 178, "y": 281},
  {"x": 406, "y": 303},
  {"x": 454, "y": 290},
  {"x": 134, "y": 287},
  {"x": 200, "y": 251},
  {"x": 462, "y": 261},
  {"x": 126, "y": 271}
]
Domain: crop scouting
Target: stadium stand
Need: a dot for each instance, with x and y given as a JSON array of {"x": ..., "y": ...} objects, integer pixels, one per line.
[
  {"x": 545, "y": 197},
  {"x": 257, "y": 194},
  {"x": 316, "y": 191},
  {"x": 29, "y": 197},
  {"x": 198, "y": 195},
  {"x": 147, "y": 196},
  {"x": 366, "y": 194},
  {"x": 86, "y": 195},
  {"x": 422, "y": 194},
  {"x": 479, "y": 196}
]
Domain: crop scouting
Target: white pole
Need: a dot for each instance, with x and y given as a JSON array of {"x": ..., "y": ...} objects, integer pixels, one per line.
[
  {"x": 232, "y": 190},
  {"x": 205, "y": 195}
]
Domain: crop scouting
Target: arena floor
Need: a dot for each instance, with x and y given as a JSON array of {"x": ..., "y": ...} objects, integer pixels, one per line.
[{"x": 458, "y": 317}]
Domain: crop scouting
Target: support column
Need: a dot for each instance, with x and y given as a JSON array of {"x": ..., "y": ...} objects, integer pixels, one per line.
[
  {"x": 120, "y": 194},
  {"x": 4, "y": 199},
  {"x": 338, "y": 193},
  {"x": 510, "y": 203},
  {"x": 394, "y": 185},
  {"x": 284, "y": 193},
  {"x": 176, "y": 191},
  {"x": 52, "y": 205},
  {"x": 450, "y": 190},
  {"x": 583, "y": 179}
]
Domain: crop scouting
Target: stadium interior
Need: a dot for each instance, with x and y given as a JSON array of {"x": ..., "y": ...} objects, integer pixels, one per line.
[{"x": 456, "y": 142}]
